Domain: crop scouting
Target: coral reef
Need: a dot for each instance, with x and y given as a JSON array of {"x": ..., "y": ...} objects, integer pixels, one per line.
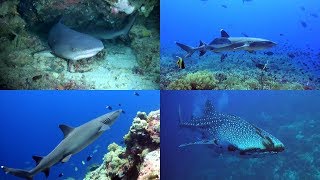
[
  {"x": 204, "y": 77},
  {"x": 239, "y": 72},
  {"x": 121, "y": 65},
  {"x": 140, "y": 159},
  {"x": 195, "y": 81}
]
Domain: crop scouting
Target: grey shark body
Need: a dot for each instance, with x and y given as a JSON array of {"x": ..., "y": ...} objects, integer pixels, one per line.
[
  {"x": 75, "y": 139},
  {"x": 228, "y": 133},
  {"x": 72, "y": 45},
  {"x": 227, "y": 43}
]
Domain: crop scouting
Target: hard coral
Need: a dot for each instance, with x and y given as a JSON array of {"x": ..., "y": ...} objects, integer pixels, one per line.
[
  {"x": 141, "y": 158},
  {"x": 202, "y": 80},
  {"x": 150, "y": 168},
  {"x": 121, "y": 6}
]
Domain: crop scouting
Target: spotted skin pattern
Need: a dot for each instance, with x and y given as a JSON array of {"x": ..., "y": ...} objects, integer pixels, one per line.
[{"x": 233, "y": 133}]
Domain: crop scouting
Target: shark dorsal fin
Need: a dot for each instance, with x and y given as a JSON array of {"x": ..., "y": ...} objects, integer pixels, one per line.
[
  {"x": 201, "y": 43},
  {"x": 37, "y": 159},
  {"x": 224, "y": 34},
  {"x": 66, "y": 129},
  {"x": 208, "y": 108},
  {"x": 46, "y": 172}
]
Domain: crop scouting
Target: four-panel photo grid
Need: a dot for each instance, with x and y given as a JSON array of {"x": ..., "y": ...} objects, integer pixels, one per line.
[{"x": 84, "y": 85}]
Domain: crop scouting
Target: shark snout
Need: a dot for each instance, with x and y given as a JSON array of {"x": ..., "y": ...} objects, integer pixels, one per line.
[{"x": 113, "y": 116}]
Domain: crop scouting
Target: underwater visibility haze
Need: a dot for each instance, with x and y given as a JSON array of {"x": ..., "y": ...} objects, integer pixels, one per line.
[
  {"x": 265, "y": 44},
  {"x": 31, "y": 119},
  {"x": 240, "y": 135}
]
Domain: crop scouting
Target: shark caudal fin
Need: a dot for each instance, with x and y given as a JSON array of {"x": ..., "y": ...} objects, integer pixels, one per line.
[
  {"x": 190, "y": 50},
  {"x": 125, "y": 31},
  {"x": 18, "y": 172}
]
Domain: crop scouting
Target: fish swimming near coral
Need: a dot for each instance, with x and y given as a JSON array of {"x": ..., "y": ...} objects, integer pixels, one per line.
[
  {"x": 233, "y": 134},
  {"x": 75, "y": 139},
  {"x": 227, "y": 43},
  {"x": 180, "y": 63},
  {"x": 72, "y": 45}
]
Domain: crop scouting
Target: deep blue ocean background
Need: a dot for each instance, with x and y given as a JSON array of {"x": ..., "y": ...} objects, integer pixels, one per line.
[
  {"x": 292, "y": 24},
  {"x": 30, "y": 120},
  {"x": 291, "y": 116},
  {"x": 189, "y": 21}
]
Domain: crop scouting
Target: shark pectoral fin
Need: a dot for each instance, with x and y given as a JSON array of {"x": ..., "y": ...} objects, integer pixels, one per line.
[
  {"x": 66, "y": 129},
  {"x": 104, "y": 128},
  {"x": 243, "y": 46},
  {"x": 203, "y": 142},
  {"x": 37, "y": 159},
  {"x": 66, "y": 159},
  {"x": 46, "y": 172}
]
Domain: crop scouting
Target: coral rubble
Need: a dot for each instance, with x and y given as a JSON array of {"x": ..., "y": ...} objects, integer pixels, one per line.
[{"x": 140, "y": 159}]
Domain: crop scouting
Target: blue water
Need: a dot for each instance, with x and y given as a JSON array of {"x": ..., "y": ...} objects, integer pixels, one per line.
[
  {"x": 194, "y": 20},
  {"x": 190, "y": 21},
  {"x": 291, "y": 116},
  {"x": 30, "y": 120}
]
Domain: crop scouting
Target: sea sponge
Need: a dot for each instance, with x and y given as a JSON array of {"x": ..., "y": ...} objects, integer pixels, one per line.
[{"x": 201, "y": 80}]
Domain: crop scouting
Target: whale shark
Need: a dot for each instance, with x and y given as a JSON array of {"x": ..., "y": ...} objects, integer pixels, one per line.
[
  {"x": 227, "y": 43},
  {"x": 75, "y": 140},
  {"x": 229, "y": 133}
]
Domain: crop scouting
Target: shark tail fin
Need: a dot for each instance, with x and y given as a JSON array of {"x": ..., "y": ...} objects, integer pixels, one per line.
[
  {"x": 18, "y": 172},
  {"x": 127, "y": 27},
  {"x": 190, "y": 50}
]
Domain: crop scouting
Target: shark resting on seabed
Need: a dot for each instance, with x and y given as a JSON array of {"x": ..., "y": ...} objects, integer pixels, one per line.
[{"x": 228, "y": 133}]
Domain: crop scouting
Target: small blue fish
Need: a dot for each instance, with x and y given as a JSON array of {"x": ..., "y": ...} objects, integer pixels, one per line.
[{"x": 230, "y": 133}]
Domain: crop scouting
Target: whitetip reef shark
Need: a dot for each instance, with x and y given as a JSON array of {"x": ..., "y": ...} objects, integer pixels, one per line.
[
  {"x": 228, "y": 133},
  {"x": 227, "y": 43},
  {"x": 75, "y": 140},
  {"x": 72, "y": 45}
]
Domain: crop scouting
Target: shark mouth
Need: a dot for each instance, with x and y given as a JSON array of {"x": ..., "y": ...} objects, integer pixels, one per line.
[{"x": 86, "y": 54}]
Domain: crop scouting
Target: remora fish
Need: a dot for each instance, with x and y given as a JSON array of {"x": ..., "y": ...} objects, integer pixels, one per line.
[
  {"x": 230, "y": 133},
  {"x": 227, "y": 43},
  {"x": 75, "y": 139},
  {"x": 72, "y": 45}
]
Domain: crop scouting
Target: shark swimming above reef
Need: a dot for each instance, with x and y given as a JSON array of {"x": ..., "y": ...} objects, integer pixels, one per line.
[
  {"x": 72, "y": 45},
  {"x": 228, "y": 133},
  {"x": 75, "y": 140},
  {"x": 227, "y": 43}
]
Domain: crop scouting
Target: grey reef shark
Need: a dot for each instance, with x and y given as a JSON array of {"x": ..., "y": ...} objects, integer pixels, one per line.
[
  {"x": 75, "y": 140},
  {"x": 226, "y": 133},
  {"x": 228, "y": 43},
  {"x": 72, "y": 45}
]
